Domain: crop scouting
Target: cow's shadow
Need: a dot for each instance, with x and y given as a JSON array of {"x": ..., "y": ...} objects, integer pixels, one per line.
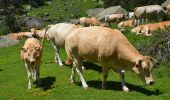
[
  {"x": 1, "y": 70},
  {"x": 91, "y": 66},
  {"x": 46, "y": 83},
  {"x": 116, "y": 86}
]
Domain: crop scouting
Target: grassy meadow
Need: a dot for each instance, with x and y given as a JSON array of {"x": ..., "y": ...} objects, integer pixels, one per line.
[
  {"x": 56, "y": 84},
  {"x": 56, "y": 80}
]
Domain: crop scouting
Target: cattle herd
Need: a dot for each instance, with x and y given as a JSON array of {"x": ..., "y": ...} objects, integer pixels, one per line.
[{"x": 91, "y": 40}]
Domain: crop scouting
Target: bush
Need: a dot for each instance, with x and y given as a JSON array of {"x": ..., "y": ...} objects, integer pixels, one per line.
[{"x": 4, "y": 29}]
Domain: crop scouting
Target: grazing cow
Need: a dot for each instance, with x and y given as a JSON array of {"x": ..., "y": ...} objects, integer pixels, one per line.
[
  {"x": 57, "y": 34},
  {"x": 90, "y": 21},
  {"x": 115, "y": 18},
  {"x": 128, "y": 23},
  {"x": 149, "y": 12},
  {"x": 31, "y": 54},
  {"x": 110, "y": 48}
]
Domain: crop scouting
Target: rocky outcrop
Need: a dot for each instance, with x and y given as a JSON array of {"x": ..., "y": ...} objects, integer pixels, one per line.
[
  {"x": 110, "y": 10},
  {"x": 6, "y": 41}
]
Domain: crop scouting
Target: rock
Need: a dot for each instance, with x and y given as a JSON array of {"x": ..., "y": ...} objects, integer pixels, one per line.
[
  {"x": 110, "y": 10},
  {"x": 34, "y": 22},
  {"x": 94, "y": 12},
  {"x": 6, "y": 41},
  {"x": 74, "y": 21},
  {"x": 49, "y": 2}
]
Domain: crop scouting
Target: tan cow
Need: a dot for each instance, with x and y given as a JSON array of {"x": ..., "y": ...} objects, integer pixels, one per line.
[
  {"x": 111, "y": 49},
  {"x": 128, "y": 23},
  {"x": 38, "y": 33},
  {"x": 137, "y": 29},
  {"x": 31, "y": 54},
  {"x": 165, "y": 23},
  {"x": 90, "y": 21},
  {"x": 148, "y": 29},
  {"x": 19, "y": 35},
  {"x": 115, "y": 18}
]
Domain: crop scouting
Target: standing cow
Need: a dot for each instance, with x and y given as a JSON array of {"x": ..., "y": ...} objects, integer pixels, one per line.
[
  {"x": 31, "y": 54},
  {"x": 110, "y": 48},
  {"x": 57, "y": 34},
  {"x": 150, "y": 12}
]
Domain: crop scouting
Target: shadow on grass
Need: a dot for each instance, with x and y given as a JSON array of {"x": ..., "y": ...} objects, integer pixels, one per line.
[
  {"x": 116, "y": 86},
  {"x": 46, "y": 83},
  {"x": 1, "y": 69},
  {"x": 91, "y": 66}
]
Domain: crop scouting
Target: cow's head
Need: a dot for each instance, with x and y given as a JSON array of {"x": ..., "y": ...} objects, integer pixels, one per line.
[
  {"x": 143, "y": 69},
  {"x": 31, "y": 54}
]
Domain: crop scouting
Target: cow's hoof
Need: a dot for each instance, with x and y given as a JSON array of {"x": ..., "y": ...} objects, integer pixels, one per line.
[
  {"x": 85, "y": 87},
  {"x": 29, "y": 88},
  {"x": 83, "y": 68},
  {"x": 125, "y": 89},
  {"x": 68, "y": 63},
  {"x": 72, "y": 81}
]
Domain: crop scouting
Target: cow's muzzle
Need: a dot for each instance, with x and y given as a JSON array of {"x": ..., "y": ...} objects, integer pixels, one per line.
[{"x": 150, "y": 82}]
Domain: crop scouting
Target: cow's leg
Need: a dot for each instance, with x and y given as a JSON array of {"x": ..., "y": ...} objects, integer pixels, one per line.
[
  {"x": 57, "y": 55},
  {"x": 69, "y": 61},
  {"x": 79, "y": 63},
  {"x": 29, "y": 76},
  {"x": 72, "y": 78},
  {"x": 105, "y": 75},
  {"x": 124, "y": 87},
  {"x": 37, "y": 70}
]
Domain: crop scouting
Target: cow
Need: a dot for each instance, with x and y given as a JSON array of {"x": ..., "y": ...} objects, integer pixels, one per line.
[
  {"x": 90, "y": 22},
  {"x": 19, "y": 35},
  {"x": 130, "y": 15},
  {"x": 31, "y": 54},
  {"x": 137, "y": 29},
  {"x": 128, "y": 23},
  {"x": 111, "y": 49},
  {"x": 165, "y": 23},
  {"x": 148, "y": 29},
  {"x": 168, "y": 8},
  {"x": 149, "y": 12},
  {"x": 115, "y": 18},
  {"x": 38, "y": 33},
  {"x": 57, "y": 34}
]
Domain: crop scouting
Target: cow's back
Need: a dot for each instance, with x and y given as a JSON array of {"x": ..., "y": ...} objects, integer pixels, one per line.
[
  {"x": 59, "y": 32},
  {"x": 96, "y": 43}
]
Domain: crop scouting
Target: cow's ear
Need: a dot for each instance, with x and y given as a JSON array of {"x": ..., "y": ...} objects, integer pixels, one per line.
[
  {"x": 24, "y": 49},
  {"x": 37, "y": 48},
  {"x": 139, "y": 63}
]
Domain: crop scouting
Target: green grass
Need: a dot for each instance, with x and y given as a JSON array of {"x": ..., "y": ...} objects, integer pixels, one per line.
[
  {"x": 58, "y": 11},
  {"x": 56, "y": 84}
]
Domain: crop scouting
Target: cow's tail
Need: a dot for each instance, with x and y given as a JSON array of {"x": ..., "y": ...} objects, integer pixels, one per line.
[
  {"x": 69, "y": 55},
  {"x": 46, "y": 29}
]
